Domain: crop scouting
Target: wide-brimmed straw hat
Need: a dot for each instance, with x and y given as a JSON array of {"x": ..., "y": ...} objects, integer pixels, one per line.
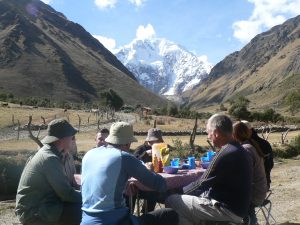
[
  {"x": 120, "y": 133},
  {"x": 58, "y": 129},
  {"x": 154, "y": 134}
]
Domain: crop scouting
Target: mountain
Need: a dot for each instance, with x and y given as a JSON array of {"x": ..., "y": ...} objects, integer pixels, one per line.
[
  {"x": 43, "y": 54},
  {"x": 264, "y": 71},
  {"x": 163, "y": 66}
]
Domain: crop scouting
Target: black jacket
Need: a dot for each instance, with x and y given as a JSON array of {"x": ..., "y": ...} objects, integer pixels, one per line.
[
  {"x": 140, "y": 153},
  {"x": 267, "y": 150},
  {"x": 228, "y": 179}
]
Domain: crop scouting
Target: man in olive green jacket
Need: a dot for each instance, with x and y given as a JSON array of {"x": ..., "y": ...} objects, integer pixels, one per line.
[{"x": 45, "y": 196}]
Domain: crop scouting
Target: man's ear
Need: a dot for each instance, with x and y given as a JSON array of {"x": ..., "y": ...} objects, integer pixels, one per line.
[{"x": 217, "y": 132}]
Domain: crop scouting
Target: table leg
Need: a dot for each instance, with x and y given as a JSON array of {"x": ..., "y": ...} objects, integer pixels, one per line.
[
  {"x": 138, "y": 203},
  {"x": 130, "y": 204},
  {"x": 146, "y": 205}
]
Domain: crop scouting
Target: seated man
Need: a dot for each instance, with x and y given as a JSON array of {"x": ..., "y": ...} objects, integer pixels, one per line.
[
  {"x": 144, "y": 152},
  {"x": 223, "y": 192},
  {"x": 44, "y": 195},
  {"x": 100, "y": 137},
  {"x": 104, "y": 177}
]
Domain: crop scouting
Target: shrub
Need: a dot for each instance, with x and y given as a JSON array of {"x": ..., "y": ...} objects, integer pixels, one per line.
[
  {"x": 147, "y": 122},
  {"x": 292, "y": 100},
  {"x": 238, "y": 108},
  {"x": 160, "y": 121},
  {"x": 180, "y": 149},
  {"x": 288, "y": 151},
  {"x": 10, "y": 172}
]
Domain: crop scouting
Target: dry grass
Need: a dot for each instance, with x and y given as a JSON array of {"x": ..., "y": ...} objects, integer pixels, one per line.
[
  {"x": 85, "y": 139},
  {"x": 22, "y": 114}
]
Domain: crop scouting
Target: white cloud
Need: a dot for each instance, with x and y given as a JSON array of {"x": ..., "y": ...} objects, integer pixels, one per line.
[
  {"x": 47, "y": 1},
  {"x": 108, "y": 43},
  {"x": 266, "y": 14},
  {"x": 137, "y": 2},
  {"x": 145, "y": 32},
  {"x": 101, "y": 4}
]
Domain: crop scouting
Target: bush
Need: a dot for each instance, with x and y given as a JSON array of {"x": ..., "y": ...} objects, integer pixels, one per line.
[
  {"x": 112, "y": 99},
  {"x": 183, "y": 150},
  {"x": 238, "y": 108},
  {"x": 160, "y": 121},
  {"x": 10, "y": 172},
  {"x": 180, "y": 149},
  {"x": 292, "y": 100},
  {"x": 288, "y": 151},
  {"x": 147, "y": 122}
]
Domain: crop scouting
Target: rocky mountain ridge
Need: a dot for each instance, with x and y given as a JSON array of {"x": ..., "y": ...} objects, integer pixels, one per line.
[
  {"x": 43, "y": 54},
  {"x": 163, "y": 66},
  {"x": 265, "y": 70}
]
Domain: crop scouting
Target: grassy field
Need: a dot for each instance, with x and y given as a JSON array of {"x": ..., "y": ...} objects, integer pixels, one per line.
[
  {"x": 85, "y": 141},
  {"x": 85, "y": 138}
]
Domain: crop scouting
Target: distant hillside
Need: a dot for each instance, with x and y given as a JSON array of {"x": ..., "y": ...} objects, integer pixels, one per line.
[
  {"x": 264, "y": 71},
  {"x": 43, "y": 54}
]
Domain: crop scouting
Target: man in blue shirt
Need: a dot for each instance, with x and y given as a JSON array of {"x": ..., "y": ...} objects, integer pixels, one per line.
[{"x": 105, "y": 172}]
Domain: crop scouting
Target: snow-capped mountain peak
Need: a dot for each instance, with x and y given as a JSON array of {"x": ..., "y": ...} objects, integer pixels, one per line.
[{"x": 163, "y": 66}]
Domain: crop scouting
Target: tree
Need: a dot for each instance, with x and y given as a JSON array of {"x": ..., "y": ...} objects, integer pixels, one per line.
[
  {"x": 172, "y": 109},
  {"x": 238, "y": 108},
  {"x": 271, "y": 115},
  {"x": 292, "y": 100},
  {"x": 112, "y": 99}
]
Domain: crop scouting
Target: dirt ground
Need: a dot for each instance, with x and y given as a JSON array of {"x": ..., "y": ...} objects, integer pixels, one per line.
[{"x": 285, "y": 198}]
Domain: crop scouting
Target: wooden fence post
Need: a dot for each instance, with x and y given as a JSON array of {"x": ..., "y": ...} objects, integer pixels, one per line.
[
  {"x": 193, "y": 135},
  {"x": 79, "y": 122},
  {"x": 44, "y": 121},
  {"x": 18, "y": 134}
]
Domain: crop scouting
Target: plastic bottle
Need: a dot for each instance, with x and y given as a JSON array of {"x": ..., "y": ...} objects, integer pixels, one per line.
[
  {"x": 160, "y": 165},
  {"x": 155, "y": 164}
]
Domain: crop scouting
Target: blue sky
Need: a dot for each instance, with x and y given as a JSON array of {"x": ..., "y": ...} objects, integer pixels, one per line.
[{"x": 213, "y": 28}]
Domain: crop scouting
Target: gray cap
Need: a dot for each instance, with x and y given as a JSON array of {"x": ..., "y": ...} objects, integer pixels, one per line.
[
  {"x": 58, "y": 129},
  {"x": 154, "y": 134},
  {"x": 120, "y": 133}
]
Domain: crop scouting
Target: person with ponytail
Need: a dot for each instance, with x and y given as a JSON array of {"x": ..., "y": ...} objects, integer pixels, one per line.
[{"x": 259, "y": 184}]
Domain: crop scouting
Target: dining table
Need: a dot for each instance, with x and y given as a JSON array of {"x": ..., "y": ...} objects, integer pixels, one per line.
[{"x": 174, "y": 181}]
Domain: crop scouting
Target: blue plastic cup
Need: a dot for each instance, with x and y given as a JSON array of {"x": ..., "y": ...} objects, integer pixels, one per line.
[
  {"x": 192, "y": 164},
  {"x": 175, "y": 162},
  {"x": 210, "y": 155}
]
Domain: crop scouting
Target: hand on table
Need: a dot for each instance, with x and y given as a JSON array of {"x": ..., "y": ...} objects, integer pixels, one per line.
[
  {"x": 149, "y": 166},
  {"x": 149, "y": 152}
]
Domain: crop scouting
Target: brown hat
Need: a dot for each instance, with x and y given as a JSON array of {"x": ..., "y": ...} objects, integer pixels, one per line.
[
  {"x": 58, "y": 129},
  {"x": 120, "y": 133},
  {"x": 154, "y": 134}
]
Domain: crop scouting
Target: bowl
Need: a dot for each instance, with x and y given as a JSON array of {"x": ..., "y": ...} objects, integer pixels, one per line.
[
  {"x": 171, "y": 169},
  {"x": 185, "y": 166},
  {"x": 204, "y": 165}
]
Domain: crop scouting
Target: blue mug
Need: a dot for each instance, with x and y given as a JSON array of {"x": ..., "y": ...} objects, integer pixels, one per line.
[
  {"x": 175, "y": 162},
  {"x": 192, "y": 164}
]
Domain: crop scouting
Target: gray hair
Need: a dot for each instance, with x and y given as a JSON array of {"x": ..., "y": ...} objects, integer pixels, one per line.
[{"x": 222, "y": 122}]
